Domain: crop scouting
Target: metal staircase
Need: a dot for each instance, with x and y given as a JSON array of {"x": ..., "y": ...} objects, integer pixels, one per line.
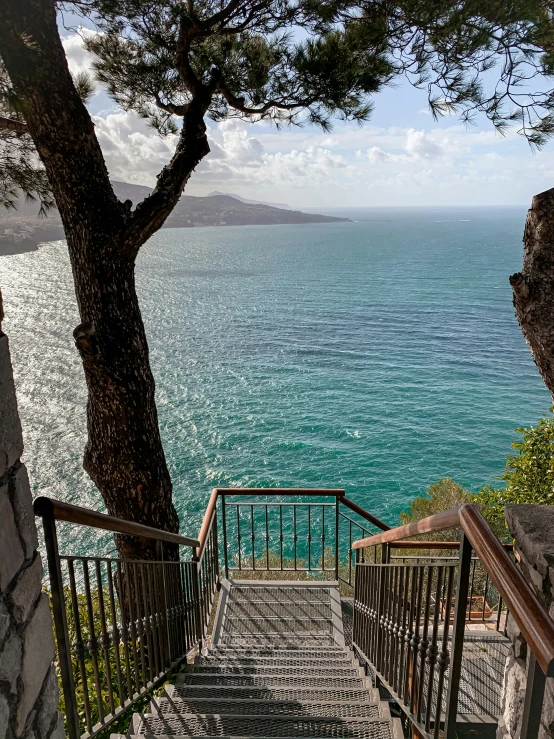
[{"x": 277, "y": 666}]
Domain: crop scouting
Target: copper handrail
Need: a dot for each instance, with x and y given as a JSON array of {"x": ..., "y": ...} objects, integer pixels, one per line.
[
  {"x": 536, "y": 625},
  {"x": 56, "y": 509},
  {"x": 206, "y": 523},
  {"x": 281, "y": 491}
]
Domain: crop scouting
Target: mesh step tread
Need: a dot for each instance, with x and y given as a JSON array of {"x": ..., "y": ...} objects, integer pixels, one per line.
[
  {"x": 279, "y": 660},
  {"x": 267, "y": 707},
  {"x": 278, "y": 726},
  {"x": 282, "y": 693},
  {"x": 263, "y": 626},
  {"x": 264, "y": 609},
  {"x": 269, "y": 680},
  {"x": 285, "y": 641},
  {"x": 227, "y": 649},
  {"x": 297, "y": 669},
  {"x": 323, "y": 595}
]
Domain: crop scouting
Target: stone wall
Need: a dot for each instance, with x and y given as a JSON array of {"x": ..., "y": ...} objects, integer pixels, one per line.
[
  {"x": 28, "y": 685},
  {"x": 532, "y": 527}
]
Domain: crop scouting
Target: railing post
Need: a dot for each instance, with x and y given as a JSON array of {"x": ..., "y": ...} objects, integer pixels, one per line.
[
  {"x": 60, "y": 623},
  {"x": 224, "y": 525},
  {"x": 534, "y": 696},
  {"x": 337, "y": 500},
  {"x": 458, "y": 628}
]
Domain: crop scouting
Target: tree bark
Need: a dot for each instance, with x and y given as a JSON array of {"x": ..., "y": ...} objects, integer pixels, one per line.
[
  {"x": 533, "y": 287},
  {"x": 124, "y": 454}
]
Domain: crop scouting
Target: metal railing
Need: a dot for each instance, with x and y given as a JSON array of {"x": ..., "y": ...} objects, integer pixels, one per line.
[
  {"x": 122, "y": 626},
  {"x": 410, "y": 619},
  {"x": 313, "y": 534}
]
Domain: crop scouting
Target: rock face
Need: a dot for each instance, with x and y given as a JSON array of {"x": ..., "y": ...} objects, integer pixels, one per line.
[
  {"x": 532, "y": 527},
  {"x": 28, "y": 686}
]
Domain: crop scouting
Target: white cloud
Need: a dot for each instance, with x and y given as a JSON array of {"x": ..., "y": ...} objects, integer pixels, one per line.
[
  {"x": 78, "y": 58},
  {"x": 422, "y": 146}
]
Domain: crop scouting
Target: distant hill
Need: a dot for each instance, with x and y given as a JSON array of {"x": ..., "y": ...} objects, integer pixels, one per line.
[
  {"x": 22, "y": 230},
  {"x": 283, "y": 206}
]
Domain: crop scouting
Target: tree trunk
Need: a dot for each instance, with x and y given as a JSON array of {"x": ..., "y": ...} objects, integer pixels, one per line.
[
  {"x": 124, "y": 454},
  {"x": 533, "y": 287}
]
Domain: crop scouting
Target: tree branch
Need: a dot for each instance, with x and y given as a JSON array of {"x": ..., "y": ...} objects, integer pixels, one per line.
[
  {"x": 238, "y": 102},
  {"x": 192, "y": 147},
  {"x": 9, "y": 124}
]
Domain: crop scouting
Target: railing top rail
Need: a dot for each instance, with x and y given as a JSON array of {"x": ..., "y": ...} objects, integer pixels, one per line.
[
  {"x": 56, "y": 509},
  {"x": 364, "y": 514},
  {"x": 206, "y": 523},
  {"x": 536, "y": 625},
  {"x": 281, "y": 491},
  {"x": 435, "y": 545}
]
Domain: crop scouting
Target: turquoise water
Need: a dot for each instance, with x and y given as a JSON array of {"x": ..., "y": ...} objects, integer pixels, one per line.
[{"x": 378, "y": 355}]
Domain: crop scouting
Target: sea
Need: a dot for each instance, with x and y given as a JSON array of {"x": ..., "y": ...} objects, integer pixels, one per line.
[{"x": 378, "y": 355}]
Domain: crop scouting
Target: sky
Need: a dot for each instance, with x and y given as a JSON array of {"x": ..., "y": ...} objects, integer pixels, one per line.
[{"x": 401, "y": 157}]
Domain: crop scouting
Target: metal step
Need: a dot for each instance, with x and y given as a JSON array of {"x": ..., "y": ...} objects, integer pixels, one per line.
[
  {"x": 287, "y": 609},
  {"x": 277, "y": 680},
  {"x": 268, "y": 650},
  {"x": 177, "y": 705},
  {"x": 274, "y": 692},
  {"x": 284, "y": 641},
  {"x": 272, "y": 593},
  {"x": 268, "y": 625},
  {"x": 277, "y": 661},
  {"x": 335, "y": 672},
  {"x": 260, "y": 726}
]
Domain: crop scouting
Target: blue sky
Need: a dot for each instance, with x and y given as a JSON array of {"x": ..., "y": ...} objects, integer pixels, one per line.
[{"x": 400, "y": 157}]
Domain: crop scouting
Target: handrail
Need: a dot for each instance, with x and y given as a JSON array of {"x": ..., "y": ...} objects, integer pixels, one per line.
[
  {"x": 536, "y": 625},
  {"x": 439, "y": 522},
  {"x": 364, "y": 514},
  {"x": 56, "y": 509},
  {"x": 206, "y": 523},
  {"x": 436, "y": 545},
  {"x": 281, "y": 491}
]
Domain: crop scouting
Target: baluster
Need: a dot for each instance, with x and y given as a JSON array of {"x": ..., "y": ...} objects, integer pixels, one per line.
[
  {"x": 116, "y": 637},
  {"x": 252, "y": 537},
  {"x": 154, "y": 623},
  {"x": 294, "y": 537},
  {"x": 404, "y": 626},
  {"x": 239, "y": 537},
  {"x": 410, "y": 690},
  {"x": 224, "y": 526},
  {"x": 92, "y": 644},
  {"x": 309, "y": 537},
  {"x": 442, "y": 658},
  {"x": 281, "y": 534},
  {"x": 432, "y": 650},
  {"x": 105, "y": 638},
  {"x": 424, "y": 644},
  {"x": 138, "y": 620},
  {"x": 79, "y": 644},
  {"x": 485, "y": 596},
  {"x": 395, "y": 616},
  {"x": 266, "y": 539},
  {"x": 123, "y": 592},
  {"x": 323, "y": 539},
  {"x": 146, "y": 624}
]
